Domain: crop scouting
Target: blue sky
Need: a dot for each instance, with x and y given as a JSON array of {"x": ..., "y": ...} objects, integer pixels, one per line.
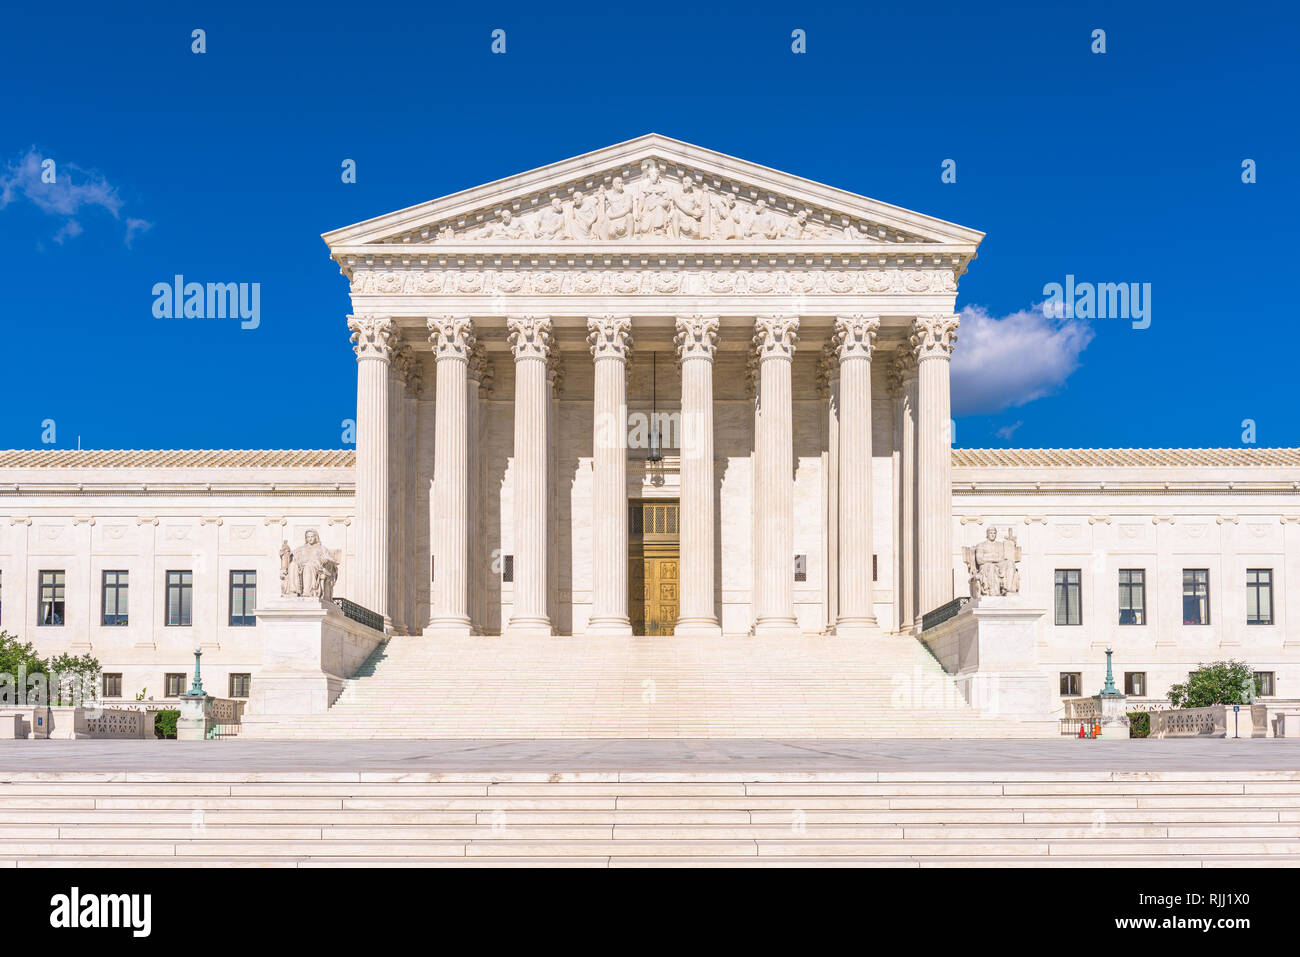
[{"x": 1117, "y": 167}]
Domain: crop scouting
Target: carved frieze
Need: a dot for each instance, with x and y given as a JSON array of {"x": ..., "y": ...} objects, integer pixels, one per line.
[{"x": 667, "y": 281}]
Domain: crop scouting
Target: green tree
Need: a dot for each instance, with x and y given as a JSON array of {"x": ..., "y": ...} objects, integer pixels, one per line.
[
  {"x": 74, "y": 678},
  {"x": 1220, "y": 682},
  {"x": 15, "y": 654}
]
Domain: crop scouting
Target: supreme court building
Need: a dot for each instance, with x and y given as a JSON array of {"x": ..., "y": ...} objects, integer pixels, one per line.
[{"x": 659, "y": 391}]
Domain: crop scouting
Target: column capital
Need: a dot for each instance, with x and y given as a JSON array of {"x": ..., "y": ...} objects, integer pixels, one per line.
[
  {"x": 555, "y": 369},
  {"x": 902, "y": 369},
  {"x": 697, "y": 337},
  {"x": 828, "y": 368},
  {"x": 414, "y": 373},
  {"x": 400, "y": 360},
  {"x": 373, "y": 337},
  {"x": 530, "y": 336},
  {"x": 610, "y": 337},
  {"x": 934, "y": 337},
  {"x": 480, "y": 367},
  {"x": 775, "y": 336},
  {"x": 855, "y": 336},
  {"x": 452, "y": 337}
]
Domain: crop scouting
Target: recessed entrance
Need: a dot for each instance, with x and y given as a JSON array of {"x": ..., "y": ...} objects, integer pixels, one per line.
[{"x": 653, "y": 566}]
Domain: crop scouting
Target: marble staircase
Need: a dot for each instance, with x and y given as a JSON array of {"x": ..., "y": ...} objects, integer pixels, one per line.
[
  {"x": 609, "y": 819},
  {"x": 502, "y": 687}
]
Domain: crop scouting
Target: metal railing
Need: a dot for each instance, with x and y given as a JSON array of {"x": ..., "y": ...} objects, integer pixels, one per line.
[
  {"x": 360, "y": 615},
  {"x": 943, "y": 613}
]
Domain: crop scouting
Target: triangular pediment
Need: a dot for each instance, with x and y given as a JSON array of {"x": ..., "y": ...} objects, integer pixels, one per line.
[{"x": 654, "y": 191}]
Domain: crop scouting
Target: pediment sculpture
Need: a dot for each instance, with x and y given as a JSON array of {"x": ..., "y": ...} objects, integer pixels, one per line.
[
  {"x": 653, "y": 206},
  {"x": 992, "y": 565},
  {"x": 310, "y": 570}
]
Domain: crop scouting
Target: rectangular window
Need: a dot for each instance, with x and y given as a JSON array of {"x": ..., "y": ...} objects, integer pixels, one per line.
[
  {"x": 1265, "y": 686},
  {"x": 801, "y": 568},
  {"x": 508, "y": 568},
  {"x": 1069, "y": 598},
  {"x": 1071, "y": 681},
  {"x": 113, "y": 598},
  {"x": 243, "y": 598},
  {"x": 239, "y": 685},
  {"x": 112, "y": 685},
  {"x": 180, "y": 598},
  {"x": 174, "y": 682},
  {"x": 51, "y": 599},
  {"x": 1135, "y": 683},
  {"x": 1196, "y": 596},
  {"x": 1132, "y": 596},
  {"x": 1259, "y": 596}
]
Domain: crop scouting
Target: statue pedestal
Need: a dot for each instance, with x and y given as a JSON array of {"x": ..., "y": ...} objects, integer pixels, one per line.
[
  {"x": 1114, "y": 715},
  {"x": 309, "y": 647},
  {"x": 195, "y": 717},
  {"x": 990, "y": 647}
]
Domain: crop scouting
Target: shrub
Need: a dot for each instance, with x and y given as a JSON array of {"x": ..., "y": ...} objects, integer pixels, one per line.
[
  {"x": 1139, "y": 724},
  {"x": 164, "y": 723},
  {"x": 1220, "y": 682}
]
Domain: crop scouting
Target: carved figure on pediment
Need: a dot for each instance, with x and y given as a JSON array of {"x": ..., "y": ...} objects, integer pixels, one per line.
[
  {"x": 689, "y": 208},
  {"x": 654, "y": 204},
  {"x": 992, "y": 565},
  {"x": 726, "y": 223},
  {"x": 617, "y": 223},
  {"x": 310, "y": 570},
  {"x": 506, "y": 227},
  {"x": 764, "y": 224},
  {"x": 801, "y": 227},
  {"x": 550, "y": 222},
  {"x": 583, "y": 216}
]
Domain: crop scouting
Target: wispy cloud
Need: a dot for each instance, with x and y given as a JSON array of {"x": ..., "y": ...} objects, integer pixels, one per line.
[
  {"x": 65, "y": 191},
  {"x": 1005, "y": 362},
  {"x": 1007, "y": 431}
]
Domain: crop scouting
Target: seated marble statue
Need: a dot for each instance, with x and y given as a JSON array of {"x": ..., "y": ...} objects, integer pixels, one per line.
[
  {"x": 310, "y": 570},
  {"x": 992, "y": 565}
]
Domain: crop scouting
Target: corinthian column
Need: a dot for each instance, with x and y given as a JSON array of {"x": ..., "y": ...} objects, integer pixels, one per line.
[
  {"x": 775, "y": 338},
  {"x": 933, "y": 339},
  {"x": 452, "y": 338},
  {"x": 611, "y": 339},
  {"x": 696, "y": 341},
  {"x": 828, "y": 382},
  {"x": 530, "y": 340},
  {"x": 480, "y": 386},
  {"x": 905, "y": 400},
  {"x": 855, "y": 341},
  {"x": 372, "y": 341}
]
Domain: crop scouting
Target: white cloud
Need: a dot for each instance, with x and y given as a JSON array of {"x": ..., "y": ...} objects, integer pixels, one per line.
[
  {"x": 74, "y": 192},
  {"x": 1004, "y": 362},
  {"x": 1007, "y": 431}
]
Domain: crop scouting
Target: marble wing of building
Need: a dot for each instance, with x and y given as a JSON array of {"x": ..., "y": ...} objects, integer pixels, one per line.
[{"x": 655, "y": 390}]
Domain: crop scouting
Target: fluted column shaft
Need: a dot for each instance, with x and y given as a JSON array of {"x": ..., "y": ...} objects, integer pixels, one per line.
[
  {"x": 372, "y": 340},
  {"x": 829, "y": 372},
  {"x": 775, "y": 338},
  {"x": 696, "y": 342},
  {"x": 480, "y": 376},
  {"x": 452, "y": 338},
  {"x": 855, "y": 341},
  {"x": 410, "y": 498},
  {"x": 933, "y": 339},
  {"x": 610, "y": 338},
  {"x": 905, "y": 369},
  {"x": 530, "y": 339}
]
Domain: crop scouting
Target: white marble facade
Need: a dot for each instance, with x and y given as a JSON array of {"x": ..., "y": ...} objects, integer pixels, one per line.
[{"x": 799, "y": 338}]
